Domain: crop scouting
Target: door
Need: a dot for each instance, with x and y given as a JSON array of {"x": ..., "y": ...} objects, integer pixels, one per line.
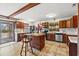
[{"x": 6, "y": 32}]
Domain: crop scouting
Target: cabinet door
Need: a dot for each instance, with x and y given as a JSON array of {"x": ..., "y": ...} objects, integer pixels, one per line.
[
  {"x": 75, "y": 22},
  {"x": 38, "y": 42},
  {"x": 19, "y": 25},
  {"x": 64, "y": 38},
  {"x": 63, "y": 24},
  {"x": 51, "y": 37},
  {"x": 60, "y": 24},
  {"x": 72, "y": 49},
  {"x": 68, "y": 25}
]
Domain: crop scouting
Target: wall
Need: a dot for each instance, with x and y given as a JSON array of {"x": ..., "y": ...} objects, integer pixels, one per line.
[
  {"x": 18, "y": 31},
  {"x": 70, "y": 31}
]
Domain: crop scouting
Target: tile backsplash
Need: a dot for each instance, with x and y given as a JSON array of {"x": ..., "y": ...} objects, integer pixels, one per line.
[{"x": 70, "y": 31}]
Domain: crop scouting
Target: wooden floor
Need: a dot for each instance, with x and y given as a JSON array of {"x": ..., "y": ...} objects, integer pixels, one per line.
[{"x": 51, "y": 49}]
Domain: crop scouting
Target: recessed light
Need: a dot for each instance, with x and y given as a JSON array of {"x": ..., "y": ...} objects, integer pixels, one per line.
[
  {"x": 30, "y": 20},
  {"x": 51, "y": 15}
]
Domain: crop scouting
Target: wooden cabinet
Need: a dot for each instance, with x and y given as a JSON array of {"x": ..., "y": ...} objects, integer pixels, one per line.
[
  {"x": 45, "y": 24},
  {"x": 38, "y": 42},
  {"x": 72, "y": 46},
  {"x": 51, "y": 36},
  {"x": 65, "y": 23},
  {"x": 20, "y": 25},
  {"x": 75, "y": 22},
  {"x": 70, "y": 23},
  {"x": 64, "y": 38},
  {"x": 62, "y": 24},
  {"x": 72, "y": 49}
]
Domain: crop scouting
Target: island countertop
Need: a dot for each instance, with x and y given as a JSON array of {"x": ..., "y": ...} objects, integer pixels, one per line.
[
  {"x": 73, "y": 39},
  {"x": 37, "y": 34}
]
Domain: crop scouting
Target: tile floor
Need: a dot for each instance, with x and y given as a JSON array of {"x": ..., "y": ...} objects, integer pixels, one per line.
[{"x": 51, "y": 49}]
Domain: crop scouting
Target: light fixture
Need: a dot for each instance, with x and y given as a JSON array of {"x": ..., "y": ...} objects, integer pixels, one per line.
[
  {"x": 30, "y": 20},
  {"x": 51, "y": 15}
]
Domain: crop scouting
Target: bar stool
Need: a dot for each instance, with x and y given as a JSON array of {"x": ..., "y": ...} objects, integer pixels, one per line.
[{"x": 27, "y": 40}]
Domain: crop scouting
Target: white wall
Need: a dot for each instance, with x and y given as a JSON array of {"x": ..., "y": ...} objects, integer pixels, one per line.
[
  {"x": 70, "y": 31},
  {"x": 18, "y": 31}
]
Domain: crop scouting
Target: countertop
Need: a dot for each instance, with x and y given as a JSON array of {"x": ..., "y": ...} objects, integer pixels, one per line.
[
  {"x": 50, "y": 32},
  {"x": 73, "y": 39},
  {"x": 37, "y": 34},
  {"x": 54, "y": 32}
]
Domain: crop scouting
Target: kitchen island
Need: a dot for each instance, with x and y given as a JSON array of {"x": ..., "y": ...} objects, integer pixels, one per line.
[
  {"x": 38, "y": 40},
  {"x": 72, "y": 43}
]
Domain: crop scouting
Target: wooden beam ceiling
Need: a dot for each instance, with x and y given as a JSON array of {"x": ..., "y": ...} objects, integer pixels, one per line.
[
  {"x": 26, "y": 7},
  {"x": 7, "y": 17}
]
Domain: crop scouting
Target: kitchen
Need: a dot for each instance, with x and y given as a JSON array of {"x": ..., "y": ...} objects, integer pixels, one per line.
[{"x": 50, "y": 25}]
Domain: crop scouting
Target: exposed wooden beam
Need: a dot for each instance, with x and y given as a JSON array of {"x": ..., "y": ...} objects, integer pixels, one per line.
[
  {"x": 26, "y": 7},
  {"x": 7, "y": 17}
]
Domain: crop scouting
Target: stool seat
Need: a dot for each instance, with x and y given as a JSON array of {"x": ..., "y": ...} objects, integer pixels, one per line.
[{"x": 26, "y": 41}]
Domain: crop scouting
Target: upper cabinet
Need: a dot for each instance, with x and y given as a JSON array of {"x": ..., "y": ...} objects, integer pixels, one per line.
[
  {"x": 45, "y": 25},
  {"x": 62, "y": 24},
  {"x": 70, "y": 23},
  {"x": 20, "y": 25},
  {"x": 75, "y": 21}
]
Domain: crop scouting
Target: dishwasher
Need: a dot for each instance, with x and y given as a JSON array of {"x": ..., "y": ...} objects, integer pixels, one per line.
[{"x": 58, "y": 37}]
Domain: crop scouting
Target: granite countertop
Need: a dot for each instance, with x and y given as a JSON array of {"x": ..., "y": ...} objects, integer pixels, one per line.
[
  {"x": 54, "y": 32},
  {"x": 37, "y": 34},
  {"x": 61, "y": 33},
  {"x": 73, "y": 39}
]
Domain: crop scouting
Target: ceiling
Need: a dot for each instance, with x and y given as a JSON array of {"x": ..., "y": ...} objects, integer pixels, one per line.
[
  {"x": 39, "y": 12},
  {"x": 8, "y": 8}
]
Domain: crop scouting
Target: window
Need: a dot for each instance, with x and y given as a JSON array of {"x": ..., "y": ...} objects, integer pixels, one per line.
[{"x": 6, "y": 32}]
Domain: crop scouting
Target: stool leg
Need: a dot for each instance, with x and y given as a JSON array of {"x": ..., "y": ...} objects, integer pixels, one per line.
[
  {"x": 31, "y": 47},
  {"x": 25, "y": 49},
  {"x": 21, "y": 49}
]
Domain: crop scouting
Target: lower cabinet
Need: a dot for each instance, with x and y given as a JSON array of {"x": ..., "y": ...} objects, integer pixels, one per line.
[
  {"x": 51, "y": 36},
  {"x": 72, "y": 49},
  {"x": 38, "y": 42},
  {"x": 64, "y": 38}
]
